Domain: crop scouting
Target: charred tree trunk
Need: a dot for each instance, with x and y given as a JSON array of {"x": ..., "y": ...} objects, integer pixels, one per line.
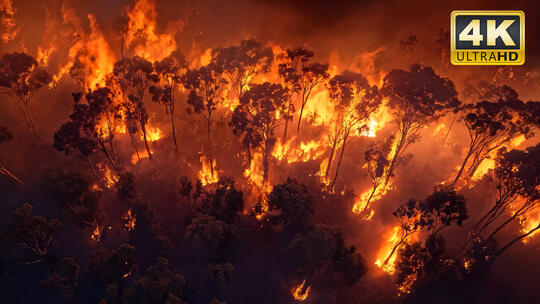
[
  {"x": 134, "y": 144},
  {"x": 300, "y": 118},
  {"x": 143, "y": 128},
  {"x": 375, "y": 187},
  {"x": 330, "y": 159},
  {"x": 469, "y": 153},
  {"x": 339, "y": 161},
  {"x": 208, "y": 122},
  {"x": 30, "y": 120},
  {"x": 285, "y": 130},
  {"x": 171, "y": 110},
  {"x": 396, "y": 246},
  {"x": 518, "y": 239},
  {"x": 395, "y": 158},
  {"x": 265, "y": 160}
]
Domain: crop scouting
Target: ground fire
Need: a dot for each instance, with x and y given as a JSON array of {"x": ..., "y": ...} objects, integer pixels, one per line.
[{"x": 266, "y": 152}]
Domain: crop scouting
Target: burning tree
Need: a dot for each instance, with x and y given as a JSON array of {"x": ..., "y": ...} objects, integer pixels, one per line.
[
  {"x": 353, "y": 100},
  {"x": 257, "y": 117},
  {"x": 417, "y": 98},
  {"x": 376, "y": 163},
  {"x": 492, "y": 125},
  {"x": 205, "y": 86},
  {"x": 302, "y": 77},
  {"x": 243, "y": 63},
  {"x": 91, "y": 127},
  {"x": 133, "y": 76},
  {"x": 21, "y": 76},
  {"x": 169, "y": 72},
  {"x": 517, "y": 180},
  {"x": 439, "y": 210}
]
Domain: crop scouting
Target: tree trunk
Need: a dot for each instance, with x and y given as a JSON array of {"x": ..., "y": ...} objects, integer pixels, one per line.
[
  {"x": 285, "y": 130},
  {"x": 392, "y": 166},
  {"x": 330, "y": 159},
  {"x": 146, "y": 142},
  {"x": 371, "y": 196},
  {"x": 265, "y": 161},
  {"x": 339, "y": 162},
  {"x": 171, "y": 111},
  {"x": 300, "y": 118},
  {"x": 396, "y": 246},
  {"x": 469, "y": 153},
  {"x": 134, "y": 144},
  {"x": 517, "y": 239},
  {"x": 31, "y": 120},
  {"x": 513, "y": 217},
  {"x": 209, "y": 146}
]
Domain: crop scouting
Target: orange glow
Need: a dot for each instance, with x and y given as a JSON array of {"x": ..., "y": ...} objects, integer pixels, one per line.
[
  {"x": 205, "y": 174},
  {"x": 299, "y": 293},
  {"x": 142, "y": 36},
  {"x": 92, "y": 51},
  {"x": 384, "y": 251},
  {"x": 152, "y": 134},
  {"x": 129, "y": 220},
  {"x": 96, "y": 233},
  {"x": 7, "y": 21}
]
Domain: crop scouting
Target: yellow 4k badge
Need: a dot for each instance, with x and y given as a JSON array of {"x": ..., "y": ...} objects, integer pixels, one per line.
[{"x": 487, "y": 37}]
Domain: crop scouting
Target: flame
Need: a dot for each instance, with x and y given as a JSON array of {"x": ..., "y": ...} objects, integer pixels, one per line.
[
  {"x": 152, "y": 134},
  {"x": 142, "y": 154},
  {"x": 306, "y": 151},
  {"x": 110, "y": 178},
  {"x": 142, "y": 35},
  {"x": 205, "y": 174},
  {"x": 484, "y": 167},
  {"x": 96, "y": 233},
  {"x": 129, "y": 220},
  {"x": 384, "y": 251},
  {"x": 92, "y": 52},
  {"x": 7, "y": 21},
  {"x": 299, "y": 293},
  {"x": 255, "y": 171},
  {"x": 360, "y": 203},
  {"x": 528, "y": 222}
]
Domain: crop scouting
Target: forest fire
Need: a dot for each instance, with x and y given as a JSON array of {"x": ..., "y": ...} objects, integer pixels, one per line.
[
  {"x": 300, "y": 292},
  {"x": 175, "y": 152}
]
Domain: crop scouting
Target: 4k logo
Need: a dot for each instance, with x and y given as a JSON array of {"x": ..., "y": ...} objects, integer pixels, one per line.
[{"x": 487, "y": 37}]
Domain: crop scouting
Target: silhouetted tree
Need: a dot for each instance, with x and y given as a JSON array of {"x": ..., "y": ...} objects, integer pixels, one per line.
[
  {"x": 491, "y": 125},
  {"x": 377, "y": 163},
  {"x": 243, "y": 63},
  {"x": 21, "y": 76},
  {"x": 64, "y": 279},
  {"x": 205, "y": 86},
  {"x": 170, "y": 71},
  {"x": 112, "y": 265},
  {"x": 302, "y": 77},
  {"x": 206, "y": 233},
  {"x": 91, "y": 127},
  {"x": 439, "y": 210},
  {"x": 353, "y": 100},
  {"x": 290, "y": 205},
  {"x": 133, "y": 76},
  {"x": 77, "y": 196},
  {"x": 417, "y": 97},
  {"x": 256, "y": 117},
  {"x": 517, "y": 180},
  {"x": 159, "y": 285},
  {"x": 34, "y": 233},
  {"x": 420, "y": 270}
]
